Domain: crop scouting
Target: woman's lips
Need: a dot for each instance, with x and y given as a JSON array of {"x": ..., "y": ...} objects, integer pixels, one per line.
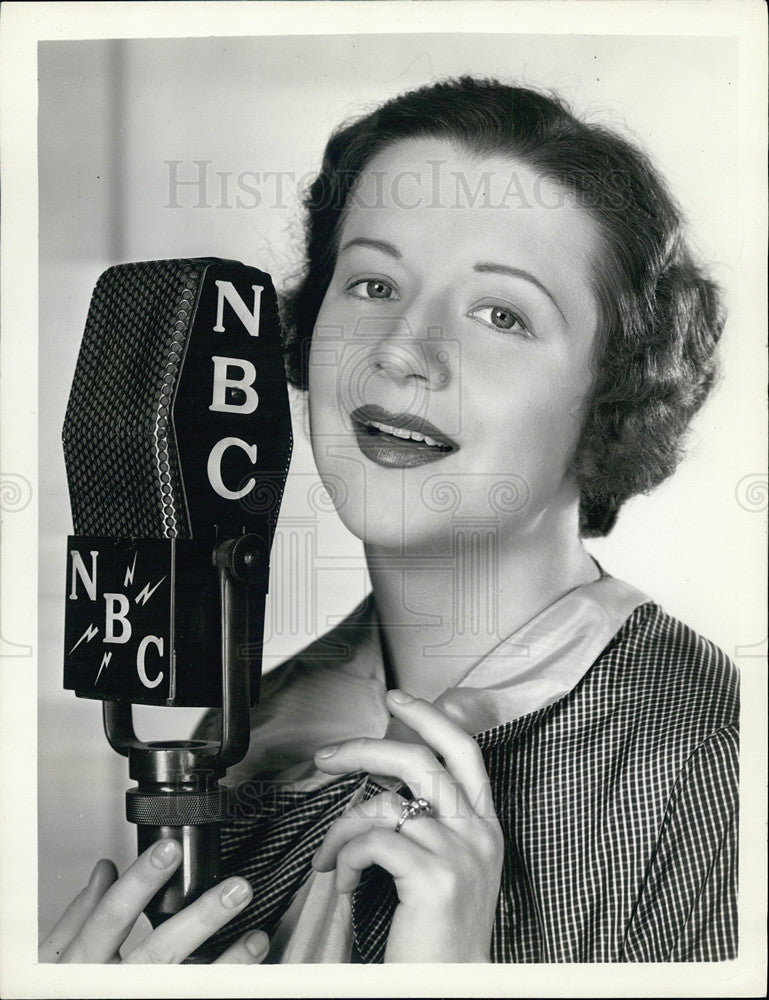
[{"x": 399, "y": 440}]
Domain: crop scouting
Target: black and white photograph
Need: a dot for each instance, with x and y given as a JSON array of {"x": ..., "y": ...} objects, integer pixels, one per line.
[{"x": 383, "y": 499}]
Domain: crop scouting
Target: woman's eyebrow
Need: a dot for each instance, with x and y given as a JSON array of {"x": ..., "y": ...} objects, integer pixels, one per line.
[
  {"x": 516, "y": 272},
  {"x": 382, "y": 245}
]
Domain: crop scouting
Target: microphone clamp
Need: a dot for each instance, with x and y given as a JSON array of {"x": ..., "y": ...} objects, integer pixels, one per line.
[{"x": 178, "y": 792}]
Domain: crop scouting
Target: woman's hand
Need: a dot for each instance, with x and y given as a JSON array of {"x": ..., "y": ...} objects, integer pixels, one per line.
[
  {"x": 100, "y": 918},
  {"x": 446, "y": 866}
]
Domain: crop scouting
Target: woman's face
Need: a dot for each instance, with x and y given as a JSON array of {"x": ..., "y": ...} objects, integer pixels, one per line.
[{"x": 451, "y": 355}]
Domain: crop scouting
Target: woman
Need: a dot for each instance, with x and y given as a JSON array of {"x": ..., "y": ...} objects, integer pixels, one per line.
[{"x": 504, "y": 337}]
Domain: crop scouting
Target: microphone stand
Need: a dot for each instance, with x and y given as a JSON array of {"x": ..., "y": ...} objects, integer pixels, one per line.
[{"x": 178, "y": 792}]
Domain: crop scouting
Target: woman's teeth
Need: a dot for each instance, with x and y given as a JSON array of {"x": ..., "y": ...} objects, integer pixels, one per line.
[{"x": 403, "y": 432}]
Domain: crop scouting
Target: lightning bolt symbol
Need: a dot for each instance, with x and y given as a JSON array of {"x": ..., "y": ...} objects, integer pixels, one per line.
[
  {"x": 104, "y": 663},
  {"x": 144, "y": 595},
  {"x": 89, "y": 633},
  {"x": 129, "y": 573}
]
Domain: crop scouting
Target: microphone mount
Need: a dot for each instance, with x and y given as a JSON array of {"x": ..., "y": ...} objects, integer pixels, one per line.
[{"x": 178, "y": 792}]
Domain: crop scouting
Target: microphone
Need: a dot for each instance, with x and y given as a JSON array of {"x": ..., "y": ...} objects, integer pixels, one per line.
[{"x": 177, "y": 440}]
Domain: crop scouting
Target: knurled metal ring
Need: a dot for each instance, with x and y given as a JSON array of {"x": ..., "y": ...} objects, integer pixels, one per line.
[{"x": 176, "y": 808}]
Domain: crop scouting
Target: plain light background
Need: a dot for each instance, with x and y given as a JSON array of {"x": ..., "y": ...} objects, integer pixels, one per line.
[{"x": 112, "y": 114}]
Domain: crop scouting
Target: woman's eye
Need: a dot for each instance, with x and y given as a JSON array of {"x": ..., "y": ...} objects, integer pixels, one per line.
[
  {"x": 500, "y": 317},
  {"x": 372, "y": 288}
]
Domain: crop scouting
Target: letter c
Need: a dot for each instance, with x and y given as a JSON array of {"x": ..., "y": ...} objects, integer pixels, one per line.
[
  {"x": 214, "y": 467},
  {"x": 157, "y": 642}
]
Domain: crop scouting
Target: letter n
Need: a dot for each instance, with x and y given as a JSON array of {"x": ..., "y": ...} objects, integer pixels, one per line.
[
  {"x": 79, "y": 570},
  {"x": 250, "y": 320}
]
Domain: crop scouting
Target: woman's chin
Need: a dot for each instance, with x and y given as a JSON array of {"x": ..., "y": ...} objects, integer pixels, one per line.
[
  {"x": 385, "y": 533},
  {"x": 393, "y": 533}
]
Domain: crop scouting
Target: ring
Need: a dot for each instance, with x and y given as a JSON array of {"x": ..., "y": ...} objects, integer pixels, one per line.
[{"x": 413, "y": 809}]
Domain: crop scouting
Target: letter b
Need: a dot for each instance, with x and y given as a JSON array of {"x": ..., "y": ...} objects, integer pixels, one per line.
[
  {"x": 223, "y": 382},
  {"x": 117, "y": 606}
]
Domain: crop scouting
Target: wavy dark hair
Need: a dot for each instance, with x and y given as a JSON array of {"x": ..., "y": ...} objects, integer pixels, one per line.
[{"x": 660, "y": 315}]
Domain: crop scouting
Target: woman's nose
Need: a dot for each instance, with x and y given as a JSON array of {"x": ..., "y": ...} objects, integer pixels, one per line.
[{"x": 408, "y": 355}]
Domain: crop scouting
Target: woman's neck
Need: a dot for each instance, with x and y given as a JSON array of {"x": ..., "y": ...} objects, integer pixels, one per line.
[{"x": 440, "y": 615}]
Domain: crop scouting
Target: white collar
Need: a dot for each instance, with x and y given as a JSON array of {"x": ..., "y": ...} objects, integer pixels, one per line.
[{"x": 335, "y": 689}]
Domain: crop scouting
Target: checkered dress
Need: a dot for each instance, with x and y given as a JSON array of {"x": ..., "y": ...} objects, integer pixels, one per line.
[{"x": 618, "y": 804}]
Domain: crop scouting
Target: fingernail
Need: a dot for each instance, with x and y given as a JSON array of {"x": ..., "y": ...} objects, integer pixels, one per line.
[
  {"x": 316, "y": 859},
  {"x": 235, "y": 894},
  {"x": 326, "y": 752},
  {"x": 164, "y": 854},
  {"x": 400, "y": 697},
  {"x": 257, "y": 944}
]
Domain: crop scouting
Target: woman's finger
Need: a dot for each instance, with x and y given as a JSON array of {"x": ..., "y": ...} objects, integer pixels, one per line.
[
  {"x": 111, "y": 920},
  {"x": 55, "y": 943},
  {"x": 251, "y": 949},
  {"x": 460, "y": 752},
  {"x": 458, "y": 788},
  {"x": 180, "y": 935},
  {"x": 408, "y": 862},
  {"x": 381, "y": 812},
  {"x": 414, "y": 764}
]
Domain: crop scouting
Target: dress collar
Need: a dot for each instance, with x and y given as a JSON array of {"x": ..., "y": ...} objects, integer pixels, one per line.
[
  {"x": 542, "y": 660},
  {"x": 335, "y": 689}
]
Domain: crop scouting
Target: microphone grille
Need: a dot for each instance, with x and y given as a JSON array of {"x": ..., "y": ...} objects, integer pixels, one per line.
[{"x": 120, "y": 448}]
